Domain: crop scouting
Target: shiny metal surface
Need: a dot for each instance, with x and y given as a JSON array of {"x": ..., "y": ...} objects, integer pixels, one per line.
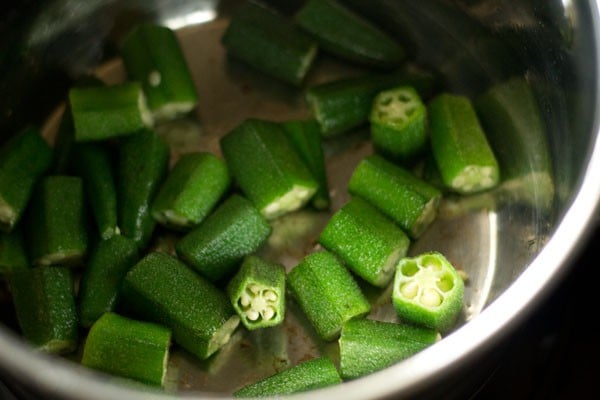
[{"x": 514, "y": 248}]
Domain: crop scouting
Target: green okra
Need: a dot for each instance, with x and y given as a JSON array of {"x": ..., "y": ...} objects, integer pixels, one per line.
[
  {"x": 367, "y": 241},
  {"x": 128, "y": 348},
  {"x": 308, "y": 375},
  {"x": 327, "y": 293},
  {"x": 268, "y": 169},
  {"x": 23, "y": 160},
  {"x": 191, "y": 190},
  {"x": 56, "y": 224},
  {"x": 13, "y": 256},
  {"x": 346, "y": 34},
  {"x": 234, "y": 230},
  {"x": 164, "y": 290},
  {"x": 94, "y": 165},
  {"x": 408, "y": 200},
  {"x": 428, "y": 291},
  {"x": 367, "y": 346},
  {"x": 270, "y": 43},
  {"x": 101, "y": 280},
  {"x": 306, "y": 138},
  {"x": 45, "y": 307},
  {"x": 398, "y": 122},
  {"x": 152, "y": 56},
  {"x": 257, "y": 293},
  {"x": 143, "y": 164},
  {"x": 463, "y": 154}
]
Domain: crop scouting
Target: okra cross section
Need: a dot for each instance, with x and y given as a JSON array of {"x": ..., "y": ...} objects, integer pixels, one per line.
[
  {"x": 257, "y": 293},
  {"x": 428, "y": 291}
]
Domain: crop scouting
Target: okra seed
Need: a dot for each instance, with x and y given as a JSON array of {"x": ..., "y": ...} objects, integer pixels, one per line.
[
  {"x": 268, "y": 313},
  {"x": 445, "y": 283},
  {"x": 252, "y": 314},
  {"x": 431, "y": 263},
  {"x": 431, "y": 298},
  {"x": 410, "y": 289},
  {"x": 270, "y": 295},
  {"x": 409, "y": 268},
  {"x": 154, "y": 78},
  {"x": 245, "y": 299}
]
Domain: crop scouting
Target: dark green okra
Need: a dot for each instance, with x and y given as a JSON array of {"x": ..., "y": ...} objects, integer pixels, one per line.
[
  {"x": 152, "y": 55},
  {"x": 398, "y": 120},
  {"x": 13, "y": 256},
  {"x": 257, "y": 293},
  {"x": 128, "y": 348},
  {"x": 101, "y": 280},
  {"x": 428, "y": 291},
  {"x": 266, "y": 166},
  {"x": 23, "y": 160},
  {"x": 346, "y": 34},
  {"x": 56, "y": 224},
  {"x": 327, "y": 293},
  {"x": 460, "y": 147},
  {"x": 103, "y": 112},
  {"x": 45, "y": 307},
  {"x": 367, "y": 346},
  {"x": 367, "y": 241},
  {"x": 308, "y": 375},
  {"x": 234, "y": 230},
  {"x": 162, "y": 289},
  {"x": 191, "y": 190},
  {"x": 408, "y": 200},
  {"x": 270, "y": 43},
  {"x": 306, "y": 138},
  {"x": 143, "y": 164}
]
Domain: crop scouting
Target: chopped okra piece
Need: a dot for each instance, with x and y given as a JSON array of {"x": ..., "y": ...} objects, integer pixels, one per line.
[
  {"x": 105, "y": 269},
  {"x": 13, "y": 256},
  {"x": 308, "y": 375},
  {"x": 398, "y": 121},
  {"x": 234, "y": 230},
  {"x": 191, "y": 190},
  {"x": 459, "y": 145},
  {"x": 270, "y": 43},
  {"x": 327, "y": 293},
  {"x": 152, "y": 56},
  {"x": 143, "y": 164},
  {"x": 366, "y": 240},
  {"x": 45, "y": 306},
  {"x": 306, "y": 138},
  {"x": 23, "y": 160},
  {"x": 162, "y": 289},
  {"x": 257, "y": 293},
  {"x": 266, "y": 166},
  {"x": 103, "y": 112},
  {"x": 95, "y": 166},
  {"x": 344, "y": 33},
  {"x": 128, "y": 348},
  {"x": 409, "y": 201},
  {"x": 428, "y": 291},
  {"x": 367, "y": 346},
  {"x": 56, "y": 224}
]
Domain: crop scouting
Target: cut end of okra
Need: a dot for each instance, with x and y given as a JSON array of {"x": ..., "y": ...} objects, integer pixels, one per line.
[
  {"x": 66, "y": 258},
  {"x": 428, "y": 291},
  {"x": 7, "y": 216},
  {"x": 292, "y": 200},
  {"x": 258, "y": 303},
  {"x": 475, "y": 178},
  {"x": 222, "y": 335}
]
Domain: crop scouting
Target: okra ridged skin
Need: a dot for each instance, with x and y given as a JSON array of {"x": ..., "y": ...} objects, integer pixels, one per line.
[
  {"x": 459, "y": 144},
  {"x": 162, "y": 289},
  {"x": 105, "y": 269},
  {"x": 128, "y": 348},
  {"x": 367, "y": 241},
  {"x": 143, "y": 165},
  {"x": 408, "y": 200},
  {"x": 428, "y": 291},
  {"x": 23, "y": 160},
  {"x": 45, "y": 307},
  {"x": 327, "y": 293},
  {"x": 152, "y": 56},
  {"x": 270, "y": 43},
  {"x": 191, "y": 190},
  {"x": 257, "y": 293},
  {"x": 367, "y": 346},
  {"x": 104, "y": 112},
  {"x": 342, "y": 32},
  {"x": 308, "y": 375},
  {"x": 56, "y": 226},
  {"x": 217, "y": 246},
  {"x": 264, "y": 163},
  {"x": 13, "y": 256}
]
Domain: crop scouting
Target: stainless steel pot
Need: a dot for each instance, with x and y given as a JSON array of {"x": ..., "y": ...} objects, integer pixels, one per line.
[{"x": 515, "y": 251}]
